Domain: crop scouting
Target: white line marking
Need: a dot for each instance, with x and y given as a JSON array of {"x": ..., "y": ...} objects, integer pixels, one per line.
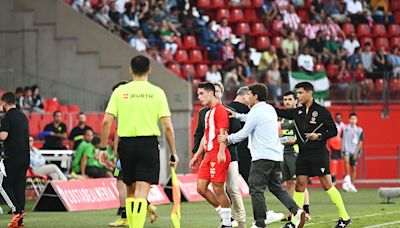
[{"x": 383, "y": 224}]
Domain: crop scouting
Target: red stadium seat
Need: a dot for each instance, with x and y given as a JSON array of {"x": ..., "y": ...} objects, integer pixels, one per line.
[
  {"x": 382, "y": 41},
  {"x": 304, "y": 15},
  {"x": 201, "y": 70},
  {"x": 263, "y": 43},
  {"x": 257, "y": 3},
  {"x": 167, "y": 56},
  {"x": 195, "y": 56},
  {"x": 216, "y": 4},
  {"x": 276, "y": 41},
  {"x": 369, "y": 83},
  {"x": 394, "y": 85},
  {"x": 250, "y": 15},
  {"x": 395, "y": 41},
  {"x": 363, "y": 30},
  {"x": 63, "y": 108},
  {"x": 188, "y": 70},
  {"x": 332, "y": 70},
  {"x": 34, "y": 128},
  {"x": 236, "y": 15},
  {"x": 395, "y": 6},
  {"x": 93, "y": 121},
  {"x": 203, "y": 4},
  {"x": 379, "y": 30},
  {"x": 369, "y": 40},
  {"x": 242, "y": 28},
  {"x": 348, "y": 29},
  {"x": 181, "y": 56},
  {"x": 95, "y": 4},
  {"x": 319, "y": 68},
  {"x": 74, "y": 108},
  {"x": 175, "y": 68},
  {"x": 258, "y": 28},
  {"x": 246, "y": 3},
  {"x": 51, "y": 104},
  {"x": 394, "y": 30},
  {"x": 379, "y": 85},
  {"x": 178, "y": 41},
  {"x": 222, "y": 13},
  {"x": 189, "y": 42},
  {"x": 397, "y": 17}
]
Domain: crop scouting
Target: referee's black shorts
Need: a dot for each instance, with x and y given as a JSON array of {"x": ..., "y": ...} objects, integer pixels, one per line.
[
  {"x": 140, "y": 159},
  {"x": 312, "y": 166}
]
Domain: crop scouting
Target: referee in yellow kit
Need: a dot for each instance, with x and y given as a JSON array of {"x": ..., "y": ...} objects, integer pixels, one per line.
[{"x": 138, "y": 105}]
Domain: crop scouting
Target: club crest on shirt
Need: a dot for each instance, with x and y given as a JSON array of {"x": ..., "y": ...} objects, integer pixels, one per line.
[
  {"x": 300, "y": 112},
  {"x": 314, "y": 114},
  {"x": 322, "y": 170},
  {"x": 212, "y": 164}
]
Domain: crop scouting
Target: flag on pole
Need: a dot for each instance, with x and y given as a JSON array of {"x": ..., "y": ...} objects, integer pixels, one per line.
[
  {"x": 318, "y": 79},
  {"x": 176, "y": 196}
]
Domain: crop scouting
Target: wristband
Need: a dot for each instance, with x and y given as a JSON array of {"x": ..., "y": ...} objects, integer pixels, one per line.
[{"x": 103, "y": 148}]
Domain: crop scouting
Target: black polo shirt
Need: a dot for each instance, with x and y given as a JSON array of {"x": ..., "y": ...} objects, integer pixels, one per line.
[
  {"x": 52, "y": 142},
  {"x": 16, "y": 125},
  {"x": 76, "y": 135}
]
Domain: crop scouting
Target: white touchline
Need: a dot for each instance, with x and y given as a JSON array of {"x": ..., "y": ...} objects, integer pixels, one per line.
[
  {"x": 363, "y": 216},
  {"x": 383, "y": 224}
]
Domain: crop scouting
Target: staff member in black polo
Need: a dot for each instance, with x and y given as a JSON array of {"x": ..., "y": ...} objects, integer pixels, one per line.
[
  {"x": 14, "y": 131},
  {"x": 138, "y": 105}
]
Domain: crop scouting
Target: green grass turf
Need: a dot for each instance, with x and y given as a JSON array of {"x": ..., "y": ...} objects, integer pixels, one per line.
[{"x": 365, "y": 207}]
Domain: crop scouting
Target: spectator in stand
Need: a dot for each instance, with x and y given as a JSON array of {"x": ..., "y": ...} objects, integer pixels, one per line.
[
  {"x": 356, "y": 12},
  {"x": 19, "y": 97},
  {"x": 213, "y": 74},
  {"x": 305, "y": 61},
  {"x": 282, "y": 5},
  {"x": 267, "y": 58},
  {"x": 284, "y": 68},
  {"x": 231, "y": 78},
  {"x": 138, "y": 41},
  {"x": 364, "y": 89},
  {"x": 83, "y": 6},
  {"x": 303, "y": 44},
  {"x": 90, "y": 164},
  {"x": 243, "y": 44},
  {"x": 274, "y": 82},
  {"x": 38, "y": 103},
  {"x": 76, "y": 135},
  {"x": 120, "y": 5},
  {"x": 228, "y": 51},
  {"x": 86, "y": 144},
  {"x": 243, "y": 58},
  {"x": 131, "y": 17},
  {"x": 38, "y": 164},
  {"x": 394, "y": 59},
  {"x": 54, "y": 133},
  {"x": 210, "y": 39},
  {"x": 173, "y": 17},
  {"x": 354, "y": 59},
  {"x": 316, "y": 10},
  {"x": 310, "y": 30},
  {"x": 334, "y": 48},
  {"x": 291, "y": 20},
  {"x": 166, "y": 31},
  {"x": 344, "y": 79},
  {"x": 277, "y": 26},
  {"x": 114, "y": 14},
  {"x": 101, "y": 16},
  {"x": 380, "y": 11},
  {"x": 159, "y": 13},
  {"x": 189, "y": 26},
  {"x": 332, "y": 30},
  {"x": 349, "y": 45},
  {"x": 27, "y": 102},
  {"x": 270, "y": 10},
  {"x": 334, "y": 9},
  {"x": 367, "y": 58},
  {"x": 290, "y": 46},
  {"x": 318, "y": 46},
  {"x": 381, "y": 64},
  {"x": 224, "y": 31}
]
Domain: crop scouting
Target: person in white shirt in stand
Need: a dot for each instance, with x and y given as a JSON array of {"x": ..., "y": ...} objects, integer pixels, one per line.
[
  {"x": 39, "y": 167},
  {"x": 213, "y": 74},
  {"x": 305, "y": 60},
  {"x": 350, "y": 45}
]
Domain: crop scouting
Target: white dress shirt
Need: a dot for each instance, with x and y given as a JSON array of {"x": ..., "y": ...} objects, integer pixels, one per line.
[{"x": 261, "y": 126}]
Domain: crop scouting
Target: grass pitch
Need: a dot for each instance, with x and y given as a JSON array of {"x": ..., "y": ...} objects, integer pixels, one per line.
[{"x": 365, "y": 208}]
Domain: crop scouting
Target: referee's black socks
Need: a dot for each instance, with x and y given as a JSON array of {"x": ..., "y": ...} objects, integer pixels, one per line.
[{"x": 306, "y": 208}]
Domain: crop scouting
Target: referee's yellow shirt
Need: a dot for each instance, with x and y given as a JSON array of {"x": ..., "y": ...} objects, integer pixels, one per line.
[{"x": 138, "y": 105}]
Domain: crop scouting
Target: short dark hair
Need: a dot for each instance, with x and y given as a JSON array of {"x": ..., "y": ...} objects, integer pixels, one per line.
[
  {"x": 96, "y": 140},
  {"x": 290, "y": 92},
  {"x": 55, "y": 113},
  {"x": 260, "y": 90},
  {"x": 81, "y": 113},
  {"x": 27, "y": 88},
  {"x": 123, "y": 82},
  {"x": 19, "y": 90},
  {"x": 86, "y": 130},
  {"x": 140, "y": 65},
  {"x": 352, "y": 114},
  {"x": 9, "y": 98},
  {"x": 208, "y": 86},
  {"x": 305, "y": 85}
]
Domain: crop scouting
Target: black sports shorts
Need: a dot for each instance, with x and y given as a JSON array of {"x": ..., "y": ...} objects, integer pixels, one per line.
[
  {"x": 140, "y": 159},
  {"x": 315, "y": 166},
  {"x": 289, "y": 166}
]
